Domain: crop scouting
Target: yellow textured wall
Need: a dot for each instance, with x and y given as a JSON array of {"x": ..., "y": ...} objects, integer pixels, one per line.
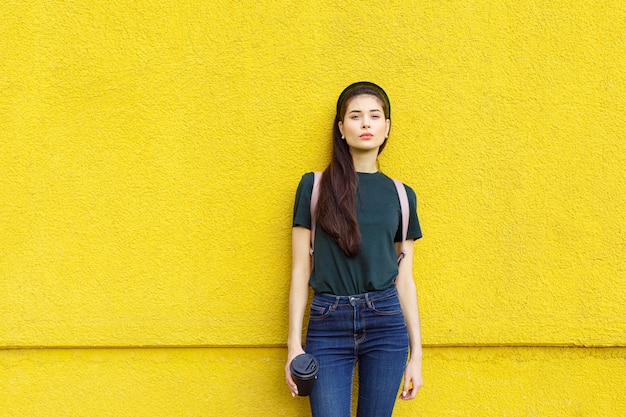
[{"x": 149, "y": 154}]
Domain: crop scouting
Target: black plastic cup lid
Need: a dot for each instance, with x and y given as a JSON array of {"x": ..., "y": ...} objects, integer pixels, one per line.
[{"x": 304, "y": 366}]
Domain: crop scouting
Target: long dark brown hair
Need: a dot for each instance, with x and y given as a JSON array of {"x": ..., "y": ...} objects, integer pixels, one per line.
[{"x": 336, "y": 207}]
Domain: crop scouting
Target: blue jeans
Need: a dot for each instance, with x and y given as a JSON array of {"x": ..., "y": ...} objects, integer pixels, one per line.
[{"x": 367, "y": 329}]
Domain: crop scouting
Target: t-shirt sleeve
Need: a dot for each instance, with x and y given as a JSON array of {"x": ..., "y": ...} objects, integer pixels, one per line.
[
  {"x": 415, "y": 231},
  {"x": 302, "y": 205}
]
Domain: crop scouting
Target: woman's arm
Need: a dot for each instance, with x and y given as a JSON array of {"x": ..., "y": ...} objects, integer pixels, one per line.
[
  {"x": 298, "y": 296},
  {"x": 407, "y": 292}
]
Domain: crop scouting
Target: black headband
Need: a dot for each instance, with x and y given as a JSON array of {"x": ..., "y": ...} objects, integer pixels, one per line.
[{"x": 347, "y": 92}]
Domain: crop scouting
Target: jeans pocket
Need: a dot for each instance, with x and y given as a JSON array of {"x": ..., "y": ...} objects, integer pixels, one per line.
[
  {"x": 387, "y": 307},
  {"x": 320, "y": 311}
]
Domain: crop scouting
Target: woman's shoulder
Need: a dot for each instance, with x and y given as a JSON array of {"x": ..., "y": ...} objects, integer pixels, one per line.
[
  {"x": 305, "y": 186},
  {"x": 307, "y": 179},
  {"x": 409, "y": 190}
]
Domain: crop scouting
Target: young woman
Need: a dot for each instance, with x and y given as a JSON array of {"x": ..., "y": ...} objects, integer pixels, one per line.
[{"x": 365, "y": 308}]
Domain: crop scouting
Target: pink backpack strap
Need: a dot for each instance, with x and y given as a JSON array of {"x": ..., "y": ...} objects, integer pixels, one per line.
[
  {"x": 315, "y": 194},
  {"x": 404, "y": 206}
]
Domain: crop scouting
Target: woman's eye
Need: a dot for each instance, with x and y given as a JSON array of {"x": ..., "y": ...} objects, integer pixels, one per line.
[
  {"x": 375, "y": 116},
  {"x": 354, "y": 117}
]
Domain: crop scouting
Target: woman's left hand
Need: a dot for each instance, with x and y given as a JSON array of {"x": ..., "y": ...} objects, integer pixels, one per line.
[{"x": 413, "y": 380}]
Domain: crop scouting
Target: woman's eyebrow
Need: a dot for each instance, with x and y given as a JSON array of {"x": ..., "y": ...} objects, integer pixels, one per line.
[{"x": 360, "y": 111}]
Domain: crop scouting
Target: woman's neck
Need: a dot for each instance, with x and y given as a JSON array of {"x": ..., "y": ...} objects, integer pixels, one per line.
[{"x": 365, "y": 162}]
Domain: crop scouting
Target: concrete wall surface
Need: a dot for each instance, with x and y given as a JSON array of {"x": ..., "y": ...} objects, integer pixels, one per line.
[{"x": 149, "y": 155}]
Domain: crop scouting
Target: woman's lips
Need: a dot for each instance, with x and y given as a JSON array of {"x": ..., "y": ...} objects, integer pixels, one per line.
[{"x": 366, "y": 136}]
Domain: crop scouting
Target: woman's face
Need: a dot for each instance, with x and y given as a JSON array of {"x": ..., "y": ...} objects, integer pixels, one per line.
[{"x": 364, "y": 125}]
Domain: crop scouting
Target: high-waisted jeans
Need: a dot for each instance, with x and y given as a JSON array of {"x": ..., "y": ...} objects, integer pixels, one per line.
[{"x": 367, "y": 329}]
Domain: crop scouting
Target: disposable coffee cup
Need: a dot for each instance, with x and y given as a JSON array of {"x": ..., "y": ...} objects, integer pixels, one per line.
[{"x": 304, "y": 369}]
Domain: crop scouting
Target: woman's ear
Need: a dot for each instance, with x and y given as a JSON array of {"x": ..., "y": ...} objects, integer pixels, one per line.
[
  {"x": 340, "y": 125},
  {"x": 388, "y": 123}
]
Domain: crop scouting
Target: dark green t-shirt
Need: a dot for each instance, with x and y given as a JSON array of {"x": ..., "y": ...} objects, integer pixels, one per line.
[{"x": 380, "y": 221}]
